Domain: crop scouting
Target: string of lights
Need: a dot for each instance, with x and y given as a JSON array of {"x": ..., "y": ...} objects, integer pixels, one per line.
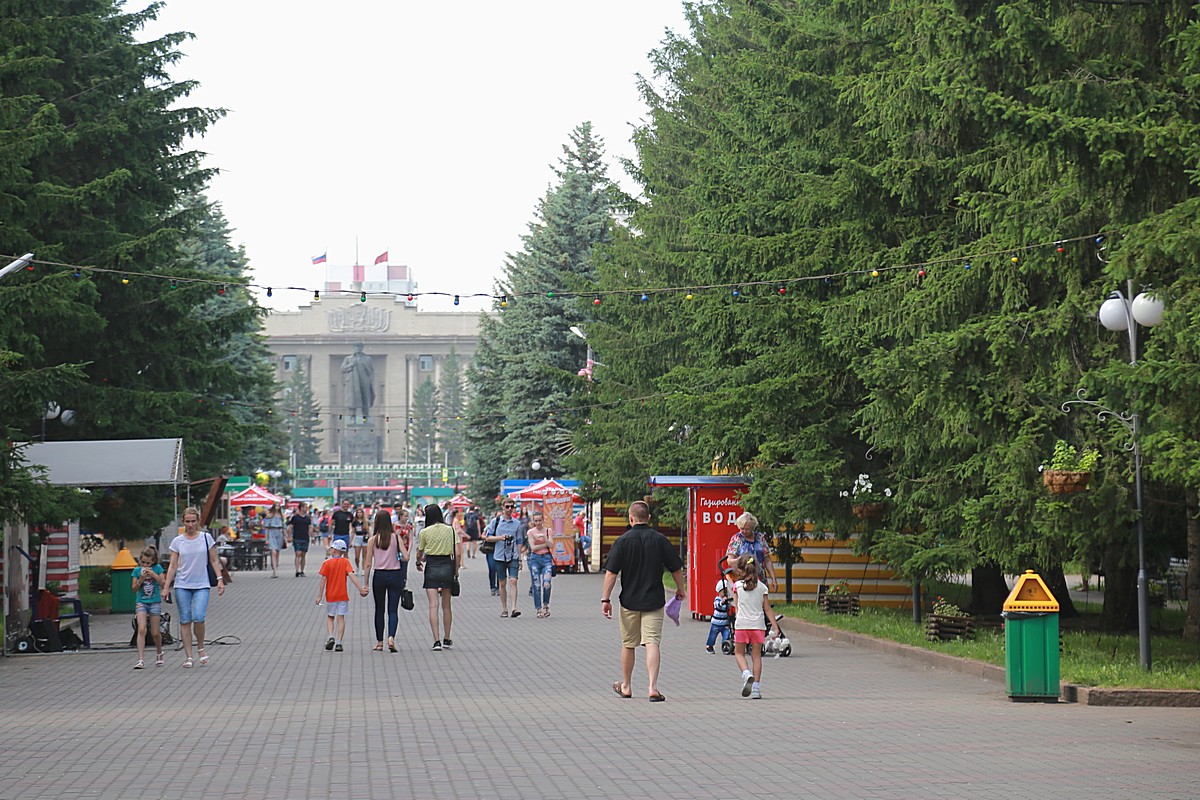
[{"x": 736, "y": 288}]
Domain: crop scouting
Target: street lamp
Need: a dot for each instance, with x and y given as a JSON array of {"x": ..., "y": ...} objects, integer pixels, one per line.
[
  {"x": 13, "y": 266},
  {"x": 586, "y": 372},
  {"x": 1119, "y": 313}
]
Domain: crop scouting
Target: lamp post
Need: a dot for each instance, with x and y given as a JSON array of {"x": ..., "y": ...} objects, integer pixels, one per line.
[
  {"x": 13, "y": 266},
  {"x": 1120, "y": 313}
]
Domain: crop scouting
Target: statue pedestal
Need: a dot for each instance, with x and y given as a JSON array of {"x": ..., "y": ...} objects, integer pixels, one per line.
[{"x": 361, "y": 445}]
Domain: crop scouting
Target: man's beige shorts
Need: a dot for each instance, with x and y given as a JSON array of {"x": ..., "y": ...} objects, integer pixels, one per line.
[{"x": 641, "y": 627}]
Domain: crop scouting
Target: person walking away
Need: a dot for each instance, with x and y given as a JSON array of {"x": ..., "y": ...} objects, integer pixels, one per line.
[
  {"x": 719, "y": 623},
  {"x": 358, "y": 540},
  {"x": 387, "y": 569},
  {"x": 541, "y": 564},
  {"x": 455, "y": 521},
  {"x": 640, "y": 556},
  {"x": 334, "y": 572},
  {"x": 299, "y": 531},
  {"x": 272, "y": 526},
  {"x": 474, "y": 526},
  {"x": 507, "y": 531},
  {"x": 340, "y": 521},
  {"x": 147, "y": 589},
  {"x": 750, "y": 625},
  {"x": 187, "y": 576},
  {"x": 748, "y": 541},
  {"x": 438, "y": 544}
]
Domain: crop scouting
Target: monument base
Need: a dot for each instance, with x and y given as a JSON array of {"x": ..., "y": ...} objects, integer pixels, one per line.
[{"x": 361, "y": 445}]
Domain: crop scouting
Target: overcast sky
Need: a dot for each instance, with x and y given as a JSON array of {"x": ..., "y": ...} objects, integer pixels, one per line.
[{"x": 424, "y": 129}]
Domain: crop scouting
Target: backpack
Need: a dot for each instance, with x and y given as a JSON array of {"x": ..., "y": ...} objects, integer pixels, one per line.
[{"x": 324, "y": 526}]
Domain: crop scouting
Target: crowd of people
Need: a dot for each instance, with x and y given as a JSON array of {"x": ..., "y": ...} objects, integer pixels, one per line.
[{"x": 378, "y": 544}]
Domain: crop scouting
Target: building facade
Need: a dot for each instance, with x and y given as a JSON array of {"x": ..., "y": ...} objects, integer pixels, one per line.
[{"x": 367, "y": 356}]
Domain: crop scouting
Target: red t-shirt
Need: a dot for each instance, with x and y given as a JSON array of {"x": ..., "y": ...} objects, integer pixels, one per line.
[{"x": 335, "y": 572}]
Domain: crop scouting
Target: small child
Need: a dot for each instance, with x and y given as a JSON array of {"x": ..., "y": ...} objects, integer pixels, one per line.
[
  {"x": 750, "y": 627},
  {"x": 147, "y": 590},
  {"x": 720, "y": 615},
  {"x": 333, "y": 590}
]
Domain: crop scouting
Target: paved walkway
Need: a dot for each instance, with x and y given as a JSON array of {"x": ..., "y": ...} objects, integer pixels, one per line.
[{"x": 522, "y": 708}]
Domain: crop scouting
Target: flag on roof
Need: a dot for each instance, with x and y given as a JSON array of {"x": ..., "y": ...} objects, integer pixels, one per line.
[{"x": 319, "y": 259}]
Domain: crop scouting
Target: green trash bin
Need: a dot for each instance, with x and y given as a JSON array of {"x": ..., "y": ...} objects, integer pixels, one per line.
[
  {"x": 1031, "y": 658},
  {"x": 122, "y": 582}
]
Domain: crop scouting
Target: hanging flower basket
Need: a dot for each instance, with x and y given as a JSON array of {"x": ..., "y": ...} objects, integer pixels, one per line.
[
  {"x": 1065, "y": 481},
  {"x": 868, "y": 510}
]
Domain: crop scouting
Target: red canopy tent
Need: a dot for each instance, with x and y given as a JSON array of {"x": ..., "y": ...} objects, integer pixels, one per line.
[
  {"x": 538, "y": 490},
  {"x": 254, "y": 496},
  {"x": 461, "y": 501}
]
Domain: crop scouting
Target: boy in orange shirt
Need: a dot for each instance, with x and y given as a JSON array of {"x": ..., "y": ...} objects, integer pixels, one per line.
[{"x": 334, "y": 572}]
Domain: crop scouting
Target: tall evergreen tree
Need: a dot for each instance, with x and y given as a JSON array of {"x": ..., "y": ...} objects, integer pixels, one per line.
[
  {"x": 300, "y": 414},
  {"x": 423, "y": 424},
  {"x": 527, "y": 375},
  {"x": 451, "y": 408}
]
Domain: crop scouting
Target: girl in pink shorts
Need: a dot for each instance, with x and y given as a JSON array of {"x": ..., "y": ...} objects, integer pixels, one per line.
[{"x": 750, "y": 625}]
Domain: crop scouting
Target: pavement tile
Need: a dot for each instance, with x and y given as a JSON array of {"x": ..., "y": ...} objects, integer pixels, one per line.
[{"x": 522, "y": 708}]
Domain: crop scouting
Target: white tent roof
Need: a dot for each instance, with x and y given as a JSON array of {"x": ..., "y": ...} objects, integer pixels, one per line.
[{"x": 115, "y": 462}]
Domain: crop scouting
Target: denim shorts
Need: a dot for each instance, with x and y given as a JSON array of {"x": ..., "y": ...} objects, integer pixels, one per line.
[
  {"x": 511, "y": 567},
  {"x": 149, "y": 609},
  {"x": 193, "y": 604}
]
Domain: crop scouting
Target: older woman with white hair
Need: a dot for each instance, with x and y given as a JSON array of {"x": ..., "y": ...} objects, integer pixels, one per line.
[{"x": 749, "y": 541}]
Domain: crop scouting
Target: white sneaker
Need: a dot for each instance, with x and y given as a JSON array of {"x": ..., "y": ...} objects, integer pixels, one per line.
[
  {"x": 747, "y": 681},
  {"x": 755, "y": 692}
]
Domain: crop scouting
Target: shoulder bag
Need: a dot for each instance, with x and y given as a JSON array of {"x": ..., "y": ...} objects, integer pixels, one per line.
[
  {"x": 212, "y": 573},
  {"x": 486, "y": 546}
]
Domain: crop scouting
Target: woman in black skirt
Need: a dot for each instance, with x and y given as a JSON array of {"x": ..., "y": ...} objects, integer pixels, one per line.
[{"x": 438, "y": 545}]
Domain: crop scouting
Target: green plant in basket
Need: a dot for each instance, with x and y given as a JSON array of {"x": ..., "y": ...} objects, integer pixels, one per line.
[
  {"x": 1067, "y": 457},
  {"x": 840, "y": 588}
]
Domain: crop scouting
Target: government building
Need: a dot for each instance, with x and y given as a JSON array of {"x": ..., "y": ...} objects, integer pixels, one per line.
[{"x": 365, "y": 360}]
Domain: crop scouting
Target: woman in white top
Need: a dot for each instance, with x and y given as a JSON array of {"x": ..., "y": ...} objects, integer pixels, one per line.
[
  {"x": 188, "y": 576},
  {"x": 273, "y": 526}
]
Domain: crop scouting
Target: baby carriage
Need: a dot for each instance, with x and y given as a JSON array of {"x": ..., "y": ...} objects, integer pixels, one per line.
[{"x": 777, "y": 644}]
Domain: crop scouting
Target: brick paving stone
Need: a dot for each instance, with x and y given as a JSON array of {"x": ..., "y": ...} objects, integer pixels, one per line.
[{"x": 522, "y": 709}]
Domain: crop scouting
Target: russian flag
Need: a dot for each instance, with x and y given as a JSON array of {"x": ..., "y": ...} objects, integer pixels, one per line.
[{"x": 319, "y": 259}]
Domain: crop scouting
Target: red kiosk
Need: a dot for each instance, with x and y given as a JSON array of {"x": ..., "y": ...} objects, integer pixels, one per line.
[{"x": 714, "y": 504}]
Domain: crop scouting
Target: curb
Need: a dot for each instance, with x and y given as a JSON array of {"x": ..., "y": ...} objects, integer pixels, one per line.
[{"x": 1070, "y": 692}]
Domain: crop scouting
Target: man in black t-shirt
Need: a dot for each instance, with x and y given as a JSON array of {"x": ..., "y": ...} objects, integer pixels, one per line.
[
  {"x": 640, "y": 556},
  {"x": 299, "y": 529},
  {"x": 340, "y": 522}
]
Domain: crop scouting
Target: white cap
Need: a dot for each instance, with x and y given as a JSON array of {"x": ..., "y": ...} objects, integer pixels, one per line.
[{"x": 339, "y": 544}]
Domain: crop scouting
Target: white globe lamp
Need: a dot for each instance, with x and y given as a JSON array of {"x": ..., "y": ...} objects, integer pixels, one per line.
[
  {"x": 1147, "y": 309},
  {"x": 1113, "y": 315}
]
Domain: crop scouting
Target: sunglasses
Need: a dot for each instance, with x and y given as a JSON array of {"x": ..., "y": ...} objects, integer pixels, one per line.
[{"x": 509, "y": 506}]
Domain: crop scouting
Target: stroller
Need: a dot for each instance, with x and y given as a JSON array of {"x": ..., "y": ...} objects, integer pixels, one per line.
[{"x": 777, "y": 644}]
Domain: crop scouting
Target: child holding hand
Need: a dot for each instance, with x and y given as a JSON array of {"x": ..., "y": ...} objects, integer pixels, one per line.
[
  {"x": 334, "y": 572},
  {"x": 750, "y": 626}
]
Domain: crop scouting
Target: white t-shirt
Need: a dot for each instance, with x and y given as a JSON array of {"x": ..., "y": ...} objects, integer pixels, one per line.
[
  {"x": 750, "y": 615},
  {"x": 193, "y": 555}
]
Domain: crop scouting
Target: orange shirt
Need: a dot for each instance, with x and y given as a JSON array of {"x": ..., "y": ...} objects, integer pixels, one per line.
[{"x": 335, "y": 572}]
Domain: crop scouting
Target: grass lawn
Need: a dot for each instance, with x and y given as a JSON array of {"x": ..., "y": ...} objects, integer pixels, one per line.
[
  {"x": 95, "y": 601},
  {"x": 1089, "y": 657}
]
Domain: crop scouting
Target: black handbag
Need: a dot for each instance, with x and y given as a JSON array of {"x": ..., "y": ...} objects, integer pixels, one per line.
[
  {"x": 406, "y": 599},
  {"x": 455, "y": 587},
  {"x": 212, "y": 573}
]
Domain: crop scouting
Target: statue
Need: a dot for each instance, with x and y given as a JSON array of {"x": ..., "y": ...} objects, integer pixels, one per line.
[{"x": 359, "y": 375}]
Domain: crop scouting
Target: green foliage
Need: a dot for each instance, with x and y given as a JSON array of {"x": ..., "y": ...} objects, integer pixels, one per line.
[
  {"x": 944, "y": 608},
  {"x": 1066, "y": 457},
  {"x": 300, "y": 416}
]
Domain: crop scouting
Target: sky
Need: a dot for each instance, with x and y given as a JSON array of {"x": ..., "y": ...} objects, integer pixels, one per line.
[{"x": 424, "y": 129}]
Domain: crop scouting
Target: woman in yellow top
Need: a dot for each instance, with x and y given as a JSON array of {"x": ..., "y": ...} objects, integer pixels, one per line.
[{"x": 440, "y": 546}]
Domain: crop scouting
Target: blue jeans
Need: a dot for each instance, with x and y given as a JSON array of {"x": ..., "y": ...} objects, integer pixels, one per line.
[
  {"x": 540, "y": 566},
  {"x": 714, "y": 631},
  {"x": 193, "y": 604},
  {"x": 491, "y": 559},
  {"x": 386, "y": 585}
]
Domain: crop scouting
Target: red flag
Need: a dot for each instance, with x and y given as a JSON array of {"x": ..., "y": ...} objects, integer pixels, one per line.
[{"x": 382, "y": 258}]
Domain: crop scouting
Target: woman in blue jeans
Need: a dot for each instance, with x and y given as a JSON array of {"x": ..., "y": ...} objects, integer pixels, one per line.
[
  {"x": 387, "y": 558},
  {"x": 541, "y": 564},
  {"x": 188, "y": 577}
]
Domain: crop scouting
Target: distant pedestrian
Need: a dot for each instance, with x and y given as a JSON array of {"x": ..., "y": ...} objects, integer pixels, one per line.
[
  {"x": 488, "y": 548},
  {"x": 750, "y": 625},
  {"x": 340, "y": 521},
  {"x": 474, "y": 525},
  {"x": 749, "y": 541},
  {"x": 299, "y": 531},
  {"x": 187, "y": 577},
  {"x": 273, "y": 525},
  {"x": 148, "y": 581},
  {"x": 719, "y": 622},
  {"x": 387, "y": 570},
  {"x": 541, "y": 564},
  {"x": 438, "y": 545},
  {"x": 334, "y": 572},
  {"x": 358, "y": 540},
  {"x": 508, "y": 533},
  {"x": 640, "y": 556}
]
